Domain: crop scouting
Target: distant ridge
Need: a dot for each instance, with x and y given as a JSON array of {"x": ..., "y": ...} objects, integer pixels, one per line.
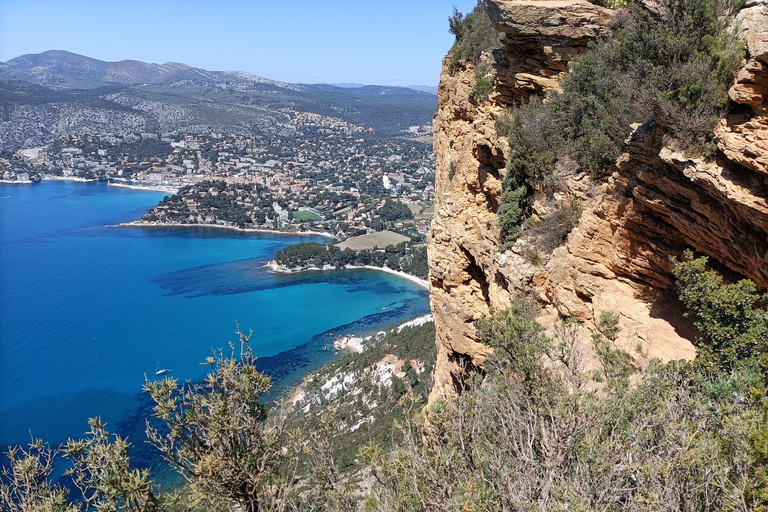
[
  {"x": 431, "y": 89},
  {"x": 47, "y": 96},
  {"x": 62, "y": 69}
]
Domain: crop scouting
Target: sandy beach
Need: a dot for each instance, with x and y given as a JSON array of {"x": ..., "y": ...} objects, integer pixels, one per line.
[
  {"x": 17, "y": 182},
  {"x": 142, "y": 224},
  {"x": 51, "y": 177},
  {"x": 275, "y": 267},
  {"x": 154, "y": 188}
]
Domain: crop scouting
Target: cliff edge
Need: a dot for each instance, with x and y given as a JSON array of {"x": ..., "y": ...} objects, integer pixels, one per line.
[{"x": 656, "y": 203}]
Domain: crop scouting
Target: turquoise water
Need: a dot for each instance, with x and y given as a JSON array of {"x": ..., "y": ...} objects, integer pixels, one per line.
[{"x": 88, "y": 308}]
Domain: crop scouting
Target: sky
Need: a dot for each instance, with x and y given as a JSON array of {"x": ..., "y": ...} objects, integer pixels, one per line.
[{"x": 383, "y": 42}]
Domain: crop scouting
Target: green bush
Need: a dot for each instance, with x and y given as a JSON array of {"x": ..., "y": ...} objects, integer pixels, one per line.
[
  {"x": 475, "y": 35},
  {"x": 456, "y": 23},
  {"x": 512, "y": 210},
  {"x": 483, "y": 83},
  {"x": 518, "y": 340},
  {"x": 533, "y": 139},
  {"x": 673, "y": 69},
  {"x": 732, "y": 319}
]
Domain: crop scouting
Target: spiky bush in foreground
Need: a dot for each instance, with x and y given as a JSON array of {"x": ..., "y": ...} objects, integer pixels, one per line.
[{"x": 524, "y": 438}]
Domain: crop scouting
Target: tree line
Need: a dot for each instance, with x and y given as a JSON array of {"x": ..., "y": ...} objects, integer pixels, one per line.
[{"x": 402, "y": 257}]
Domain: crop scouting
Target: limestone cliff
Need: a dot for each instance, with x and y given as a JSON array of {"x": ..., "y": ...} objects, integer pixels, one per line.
[{"x": 657, "y": 202}]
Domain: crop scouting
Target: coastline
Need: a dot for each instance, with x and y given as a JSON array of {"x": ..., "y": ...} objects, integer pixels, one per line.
[
  {"x": 142, "y": 224},
  {"x": 290, "y": 366},
  {"x": 51, "y": 177},
  {"x": 173, "y": 190},
  {"x": 17, "y": 182},
  {"x": 78, "y": 179},
  {"x": 157, "y": 188},
  {"x": 275, "y": 267}
]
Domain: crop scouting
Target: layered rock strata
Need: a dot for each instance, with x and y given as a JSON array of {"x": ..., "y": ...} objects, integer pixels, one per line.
[
  {"x": 540, "y": 38},
  {"x": 743, "y": 138},
  {"x": 657, "y": 203}
]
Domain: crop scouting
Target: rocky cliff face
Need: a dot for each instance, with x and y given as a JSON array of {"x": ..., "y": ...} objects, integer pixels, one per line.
[{"x": 656, "y": 204}]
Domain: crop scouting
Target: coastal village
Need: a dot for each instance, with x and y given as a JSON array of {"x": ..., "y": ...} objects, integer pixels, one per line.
[
  {"x": 596, "y": 276},
  {"x": 327, "y": 175}
]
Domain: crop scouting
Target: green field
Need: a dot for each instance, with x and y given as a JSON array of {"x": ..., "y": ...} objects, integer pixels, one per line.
[
  {"x": 425, "y": 139},
  {"x": 415, "y": 208},
  {"x": 380, "y": 239},
  {"x": 427, "y": 214},
  {"x": 304, "y": 216}
]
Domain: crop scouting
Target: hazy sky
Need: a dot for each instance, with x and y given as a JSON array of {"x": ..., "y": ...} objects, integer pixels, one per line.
[{"x": 392, "y": 42}]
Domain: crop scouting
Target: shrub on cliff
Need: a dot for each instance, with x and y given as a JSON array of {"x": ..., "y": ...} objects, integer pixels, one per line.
[
  {"x": 678, "y": 439},
  {"x": 673, "y": 66},
  {"x": 474, "y": 36},
  {"x": 551, "y": 231},
  {"x": 216, "y": 436},
  {"x": 534, "y": 138},
  {"x": 731, "y": 317},
  {"x": 100, "y": 472},
  {"x": 483, "y": 83}
]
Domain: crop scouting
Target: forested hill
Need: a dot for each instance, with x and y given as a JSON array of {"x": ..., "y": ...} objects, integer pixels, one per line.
[
  {"x": 55, "y": 94},
  {"x": 409, "y": 259}
]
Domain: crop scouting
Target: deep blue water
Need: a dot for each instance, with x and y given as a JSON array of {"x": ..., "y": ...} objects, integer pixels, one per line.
[{"x": 88, "y": 308}]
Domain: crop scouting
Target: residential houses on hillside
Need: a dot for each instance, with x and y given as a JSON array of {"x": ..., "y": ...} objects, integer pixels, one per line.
[{"x": 335, "y": 167}]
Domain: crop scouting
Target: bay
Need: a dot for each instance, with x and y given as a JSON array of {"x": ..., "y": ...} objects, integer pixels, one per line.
[{"x": 88, "y": 309}]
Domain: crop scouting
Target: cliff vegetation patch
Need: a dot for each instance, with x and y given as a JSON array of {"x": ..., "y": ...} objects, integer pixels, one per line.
[
  {"x": 671, "y": 66},
  {"x": 732, "y": 317},
  {"x": 531, "y": 434},
  {"x": 475, "y": 35}
]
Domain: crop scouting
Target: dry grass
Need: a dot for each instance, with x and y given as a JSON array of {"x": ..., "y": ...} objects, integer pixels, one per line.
[
  {"x": 415, "y": 208},
  {"x": 380, "y": 239},
  {"x": 427, "y": 214}
]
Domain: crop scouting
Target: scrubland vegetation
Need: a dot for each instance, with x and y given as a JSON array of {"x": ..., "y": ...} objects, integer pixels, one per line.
[
  {"x": 534, "y": 429},
  {"x": 671, "y": 68}
]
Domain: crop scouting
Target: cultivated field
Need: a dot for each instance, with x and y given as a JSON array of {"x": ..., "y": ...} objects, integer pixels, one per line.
[
  {"x": 415, "y": 208},
  {"x": 380, "y": 239},
  {"x": 305, "y": 215},
  {"x": 427, "y": 214}
]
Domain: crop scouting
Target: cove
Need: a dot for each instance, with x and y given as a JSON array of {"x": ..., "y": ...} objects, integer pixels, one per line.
[{"x": 87, "y": 309}]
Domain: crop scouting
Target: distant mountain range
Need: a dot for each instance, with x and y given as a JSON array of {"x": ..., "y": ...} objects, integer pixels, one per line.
[
  {"x": 53, "y": 94},
  {"x": 62, "y": 69},
  {"x": 431, "y": 89}
]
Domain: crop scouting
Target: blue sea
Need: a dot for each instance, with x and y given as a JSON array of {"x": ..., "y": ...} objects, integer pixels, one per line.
[{"x": 87, "y": 308}]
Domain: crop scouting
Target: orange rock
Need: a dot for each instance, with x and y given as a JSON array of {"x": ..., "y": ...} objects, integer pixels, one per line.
[{"x": 657, "y": 203}]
